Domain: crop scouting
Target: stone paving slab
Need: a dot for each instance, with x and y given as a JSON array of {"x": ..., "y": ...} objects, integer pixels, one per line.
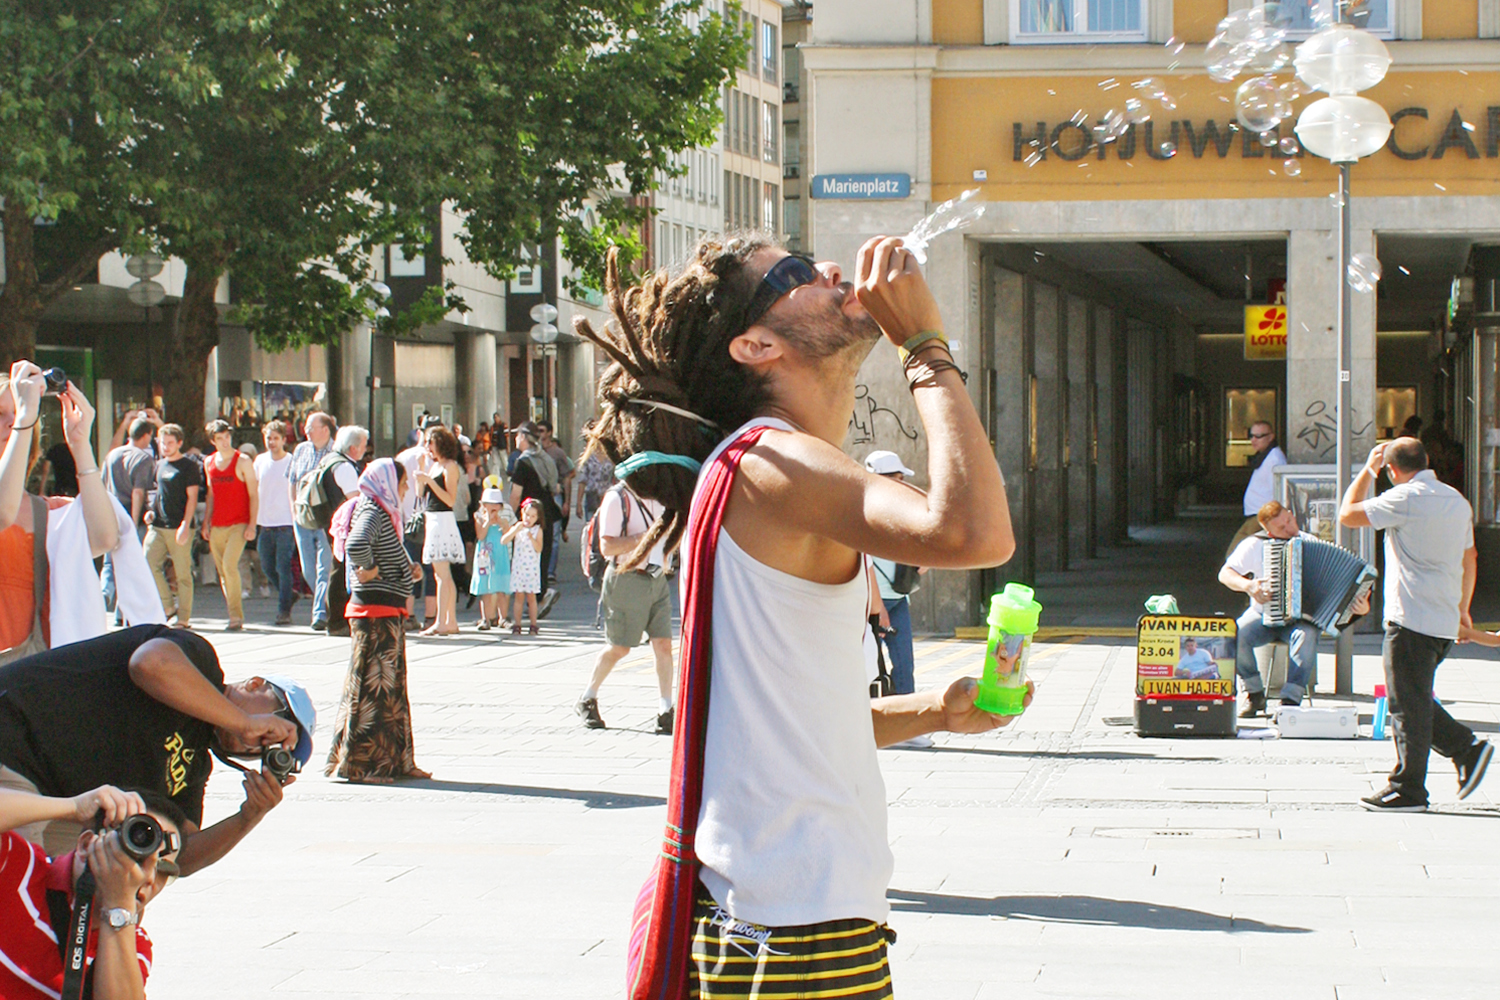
[{"x": 1062, "y": 857}]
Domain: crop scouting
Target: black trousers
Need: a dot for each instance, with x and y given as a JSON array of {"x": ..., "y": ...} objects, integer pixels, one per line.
[
  {"x": 546, "y": 553},
  {"x": 1421, "y": 725}
]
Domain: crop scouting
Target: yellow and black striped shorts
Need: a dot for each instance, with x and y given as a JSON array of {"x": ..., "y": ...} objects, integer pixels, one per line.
[{"x": 837, "y": 958}]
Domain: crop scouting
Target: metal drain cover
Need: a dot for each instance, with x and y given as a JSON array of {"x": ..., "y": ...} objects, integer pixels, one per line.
[{"x": 1173, "y": 832}]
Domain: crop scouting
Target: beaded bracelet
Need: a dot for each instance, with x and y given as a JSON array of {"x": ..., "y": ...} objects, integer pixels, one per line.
[{"x": 915, "y": 342}]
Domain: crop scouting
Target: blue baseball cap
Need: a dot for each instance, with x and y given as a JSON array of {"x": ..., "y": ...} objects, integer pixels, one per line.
[{"x": 302, "y": 710}]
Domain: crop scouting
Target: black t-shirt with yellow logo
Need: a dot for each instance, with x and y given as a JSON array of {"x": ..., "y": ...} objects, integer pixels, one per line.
[{"x": 71, "y": 719}]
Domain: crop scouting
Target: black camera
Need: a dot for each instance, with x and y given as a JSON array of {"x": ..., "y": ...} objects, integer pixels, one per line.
[
  {"x": 279, "y": 762},
  {"x": 142, "y": 836},
  {"x": 57, "y": 381}
]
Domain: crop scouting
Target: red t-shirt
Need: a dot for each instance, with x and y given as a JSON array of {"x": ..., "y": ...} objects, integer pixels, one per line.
[
  {"x": 231, "y": 495},
  {"x": 30, "y": 964}
]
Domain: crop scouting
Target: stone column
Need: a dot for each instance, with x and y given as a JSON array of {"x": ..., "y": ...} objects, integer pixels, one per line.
[
  {"x": 1312, "y": 346},
  {"x": 483, "y": 384}
]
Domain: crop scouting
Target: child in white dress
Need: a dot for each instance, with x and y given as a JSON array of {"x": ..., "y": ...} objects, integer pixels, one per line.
[{"x": 526, "y": 563}]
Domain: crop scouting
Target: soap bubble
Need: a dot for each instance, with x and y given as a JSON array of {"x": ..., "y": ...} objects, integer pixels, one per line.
[
  {"x": 1268, "y": 139},
  {"x": 1111, "y": 127},
  {"x": 955, "y": 213},
  {"x": 1288, "y": 146},
  {"x": 1291, "y": 167},
  {"x": 1033, "y": 158},
  {"x": 1364, "y": 272},
  {"x": 1150, "y": 87},
  {"x": 1109, "y": 84},
  {"x": 1136, "y": 111},
  {"x": 1174, "y": 46},
  {"x": 1247, "y": 38},
  {"x": 1167, "y": 149},
  {"x": 1292, "y": 90},
  {"x": 1258, "y": 104},
  {"x": 1168, "y": 102}
]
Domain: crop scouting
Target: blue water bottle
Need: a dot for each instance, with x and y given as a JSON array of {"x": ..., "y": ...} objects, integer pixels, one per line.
[{"x": 1377, "y": 731}]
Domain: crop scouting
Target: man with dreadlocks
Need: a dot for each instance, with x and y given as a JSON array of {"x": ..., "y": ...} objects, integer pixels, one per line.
[{"x": 775, "y": 862}]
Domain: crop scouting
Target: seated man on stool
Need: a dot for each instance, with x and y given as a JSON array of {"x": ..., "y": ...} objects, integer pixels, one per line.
[{"x": 1242, "y": 572}]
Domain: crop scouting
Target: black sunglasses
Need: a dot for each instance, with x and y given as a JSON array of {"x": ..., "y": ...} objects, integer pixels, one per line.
[{"x": 791, "y": 271}]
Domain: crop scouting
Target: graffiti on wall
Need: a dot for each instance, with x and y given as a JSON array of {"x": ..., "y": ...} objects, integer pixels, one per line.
[
  {"x": 862, "y": 422},
  {"x": 1318, "y": 429}
]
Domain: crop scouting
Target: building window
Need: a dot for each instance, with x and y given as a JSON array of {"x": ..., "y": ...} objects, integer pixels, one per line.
[
  {"x": 770, "y": 200},
  {"x": 770, "y": 50},
  {"x": 791, "y": 218},
  {"x": 1065, "y": 21},
  {"x": 791, "y": 164},
  {"x": 687, "y": 180},
  {"x": 769, "y": 128},
  {"x": 703, "y": 182},
  {"x": 1394, "y": 406},
  {"x": 752, "y": 56},
  {"x": 1303, "y": 16},
  {"x": 752, "y": 203},
  {"x": 752, "y": 122},
  {"x": 713, "y": 176},
  {"x": 1243, "y": 407}
]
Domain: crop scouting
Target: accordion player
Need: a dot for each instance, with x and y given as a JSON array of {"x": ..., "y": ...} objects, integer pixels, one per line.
[{"x": 1313, "y": 581}]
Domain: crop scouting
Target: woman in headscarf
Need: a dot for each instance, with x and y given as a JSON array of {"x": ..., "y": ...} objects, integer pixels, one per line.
[{"x": 372, "y": 740}]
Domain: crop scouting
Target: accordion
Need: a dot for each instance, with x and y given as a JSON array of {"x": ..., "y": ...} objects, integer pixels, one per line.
[{"x": 1313, "y": 581}]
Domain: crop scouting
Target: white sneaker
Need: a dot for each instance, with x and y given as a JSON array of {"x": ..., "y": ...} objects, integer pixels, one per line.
[{"x": 915, "y": 743}]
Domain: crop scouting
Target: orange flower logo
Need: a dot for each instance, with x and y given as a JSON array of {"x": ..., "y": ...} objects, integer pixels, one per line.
[{"x": 1273, "y": 321}]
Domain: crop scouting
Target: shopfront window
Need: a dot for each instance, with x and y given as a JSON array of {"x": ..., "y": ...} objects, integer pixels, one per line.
[
  {"x": 1054, "y": 21},
  {"x": 1394, "y": 406},
  {"x": 1243, "y": 407}
]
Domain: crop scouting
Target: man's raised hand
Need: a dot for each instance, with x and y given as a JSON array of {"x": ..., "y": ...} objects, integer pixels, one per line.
[
  {"x": 890, "y": 286},
  {"x": 116, "y": 805}
]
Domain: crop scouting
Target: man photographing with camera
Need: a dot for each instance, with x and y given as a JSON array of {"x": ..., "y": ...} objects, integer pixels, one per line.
[
  {"x": 103, "y": 884},
  {"x": 145, "y": 708}
]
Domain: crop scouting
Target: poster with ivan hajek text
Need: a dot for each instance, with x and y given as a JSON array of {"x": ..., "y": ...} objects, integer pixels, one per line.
[{"x": 1177, "y": 656}]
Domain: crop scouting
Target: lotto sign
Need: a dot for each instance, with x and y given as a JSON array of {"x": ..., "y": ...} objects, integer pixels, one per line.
[
  {"x": 1178, "y": 656},
  {"x": 1265, "y": 333}
]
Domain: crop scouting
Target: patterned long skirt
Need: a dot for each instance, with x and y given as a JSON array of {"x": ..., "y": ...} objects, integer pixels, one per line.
[{"x": 373, "y": 738}]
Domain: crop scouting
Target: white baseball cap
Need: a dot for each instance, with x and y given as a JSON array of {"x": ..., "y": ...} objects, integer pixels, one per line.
[{"x": 885, "y": 463}]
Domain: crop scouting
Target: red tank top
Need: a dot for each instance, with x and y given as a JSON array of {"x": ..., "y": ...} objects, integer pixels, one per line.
[{"x": 231, "y": 496}]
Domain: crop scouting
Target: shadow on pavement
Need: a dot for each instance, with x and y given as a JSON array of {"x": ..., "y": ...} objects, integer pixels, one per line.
[
  {"x": 1081, "y": 910},
  {"x": 591, "y": 799},
  {"x": 1059, "y": 754}
]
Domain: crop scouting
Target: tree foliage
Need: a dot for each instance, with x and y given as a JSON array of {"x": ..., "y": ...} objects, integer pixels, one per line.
[{"x": 284, "y": 141}]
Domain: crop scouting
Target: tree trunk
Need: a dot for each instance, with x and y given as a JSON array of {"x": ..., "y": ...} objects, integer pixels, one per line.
[
  {"x": 21, "y": 303},
  {"x": 189, "y": 343}
]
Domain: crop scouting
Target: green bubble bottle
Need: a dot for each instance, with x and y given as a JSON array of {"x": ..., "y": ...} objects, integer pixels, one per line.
[{"x": 1013, "y": 621}]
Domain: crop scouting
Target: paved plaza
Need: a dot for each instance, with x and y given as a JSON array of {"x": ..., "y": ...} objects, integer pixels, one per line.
[{"x": 1062, "y": 857}]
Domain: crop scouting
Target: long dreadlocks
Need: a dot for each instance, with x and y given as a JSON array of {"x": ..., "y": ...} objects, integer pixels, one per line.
[{"x": 669, "y": 343}]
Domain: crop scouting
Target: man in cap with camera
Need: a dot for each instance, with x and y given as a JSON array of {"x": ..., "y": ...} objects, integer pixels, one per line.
[
  {"x": 129, "y": 854},
  {"x": 145, "y": 707}
]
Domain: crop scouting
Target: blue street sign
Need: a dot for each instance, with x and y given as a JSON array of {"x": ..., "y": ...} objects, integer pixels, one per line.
[{"x": 861, "y": 186}]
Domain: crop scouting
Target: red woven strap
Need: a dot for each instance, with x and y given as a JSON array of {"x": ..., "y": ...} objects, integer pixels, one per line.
[{"x": 662, "y": 926}]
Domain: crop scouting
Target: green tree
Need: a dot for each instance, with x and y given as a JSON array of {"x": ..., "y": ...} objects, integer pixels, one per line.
[{"x": 79, "y": 84}]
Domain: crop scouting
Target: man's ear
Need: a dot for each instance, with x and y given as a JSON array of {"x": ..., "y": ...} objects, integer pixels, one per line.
[{"x": 756, "y": 346}]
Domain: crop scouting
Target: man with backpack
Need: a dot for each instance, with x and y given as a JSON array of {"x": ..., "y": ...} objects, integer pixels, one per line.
[
  {"x": 633, "y": 600},
  {"x": 319, "y": 494}
]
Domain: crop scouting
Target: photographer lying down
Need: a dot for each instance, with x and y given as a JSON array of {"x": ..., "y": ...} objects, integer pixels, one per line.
[
  {"x": 143, "y": 708},
  {"x": 104, "y": 881}
]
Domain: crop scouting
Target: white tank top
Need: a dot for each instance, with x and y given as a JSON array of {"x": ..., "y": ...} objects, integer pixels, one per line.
[{"x": 793, "y": 824}]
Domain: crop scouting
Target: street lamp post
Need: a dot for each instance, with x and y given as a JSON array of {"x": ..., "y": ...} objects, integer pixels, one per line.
[
  {"x": 1342, "y": 60},
  {"x": 146, "y": 293},
  {"x": 544, "y": 334}
]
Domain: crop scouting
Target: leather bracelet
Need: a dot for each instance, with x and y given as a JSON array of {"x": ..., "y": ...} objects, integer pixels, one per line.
[
  {"x": 929, "y": 370},
  {"x": 87, "y": 472},
  {"x": 29, "y": 426},
  {"x": 914, "y": 342}
]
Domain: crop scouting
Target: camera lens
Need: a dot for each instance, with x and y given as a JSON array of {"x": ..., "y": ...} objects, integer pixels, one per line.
[
  {"x": 279, "y": 762},
  {"x": 56, "y": 380},
  {"x": 140, "y": 836}
]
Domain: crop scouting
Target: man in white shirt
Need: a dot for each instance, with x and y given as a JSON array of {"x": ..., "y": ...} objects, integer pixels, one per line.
[
  {"x": 790, "y": 830},
  {"x": 277, "y": 542},
  {"x": 1266, "y": 457},
  {"x": 633, "y": 600},
  {"x": 1430, "y": 566},
  {"x": 1242, "y": 572}
]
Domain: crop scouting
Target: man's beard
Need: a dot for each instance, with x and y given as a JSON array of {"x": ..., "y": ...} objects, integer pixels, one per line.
[{"x": 831, "y": 334}]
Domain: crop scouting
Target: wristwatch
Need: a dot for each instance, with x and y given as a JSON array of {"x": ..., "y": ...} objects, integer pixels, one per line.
[{"x": 119, "y": 918}]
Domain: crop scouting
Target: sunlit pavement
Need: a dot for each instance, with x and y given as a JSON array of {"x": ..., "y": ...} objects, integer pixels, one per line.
[{"x": 1062, "y": 857}]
